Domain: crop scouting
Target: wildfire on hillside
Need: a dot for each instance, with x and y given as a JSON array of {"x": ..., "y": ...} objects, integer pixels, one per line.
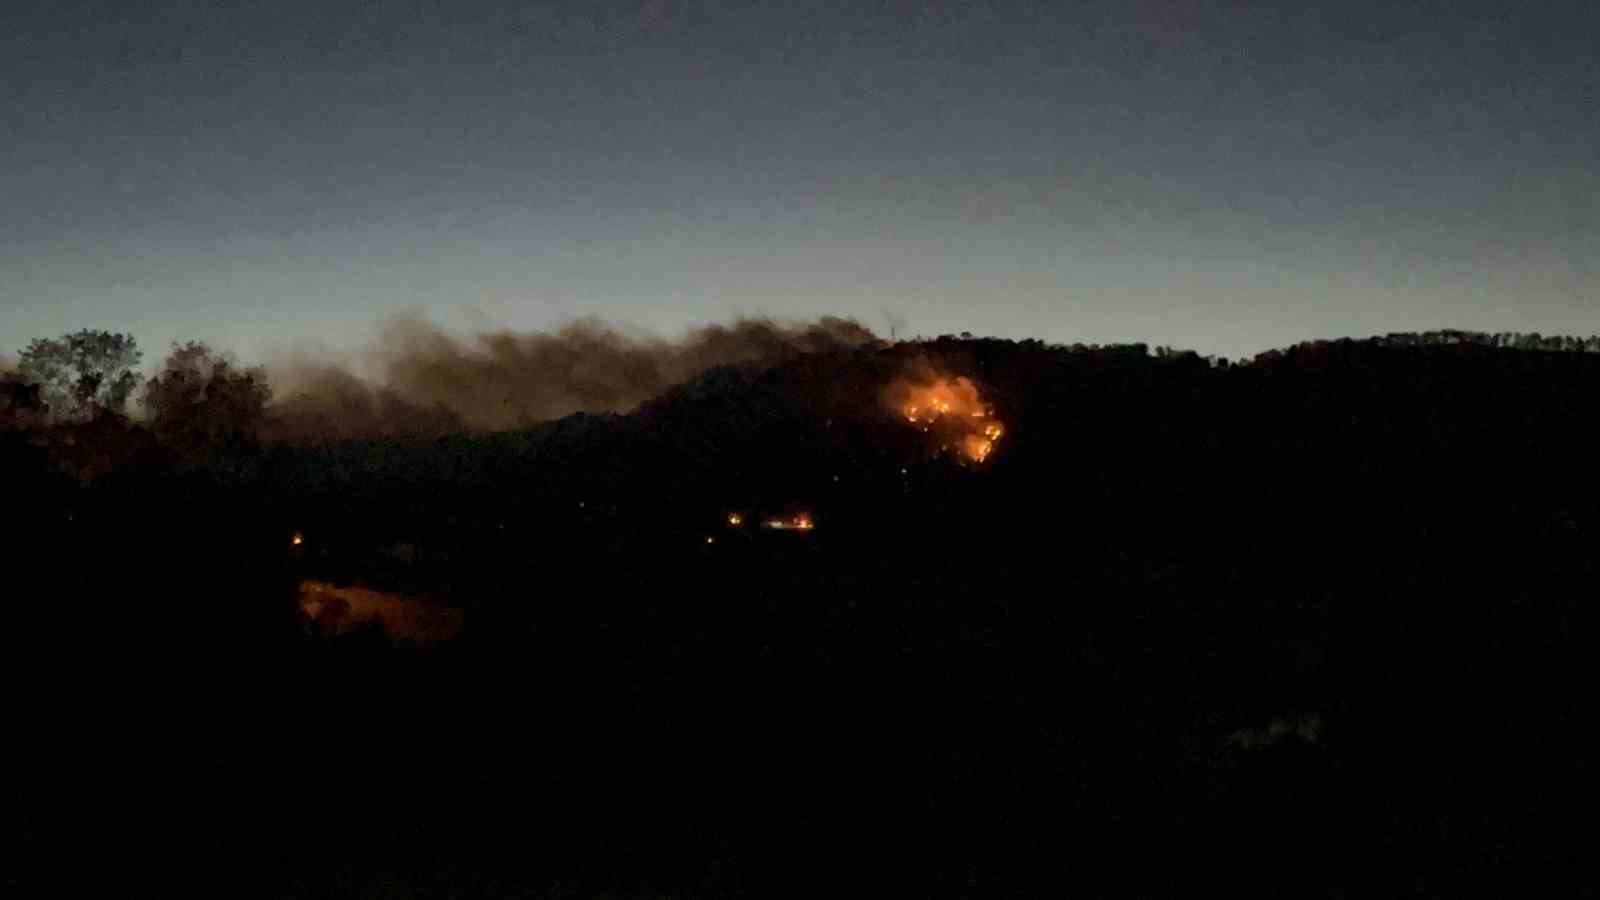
[{"x": 952, "y": 409}]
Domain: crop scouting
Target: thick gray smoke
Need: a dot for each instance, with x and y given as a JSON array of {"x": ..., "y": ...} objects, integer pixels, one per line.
[{"x": 428, "y": 382}]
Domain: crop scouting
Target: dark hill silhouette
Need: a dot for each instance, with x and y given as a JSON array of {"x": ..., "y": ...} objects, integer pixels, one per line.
[{"x": 1308, "y": 621}]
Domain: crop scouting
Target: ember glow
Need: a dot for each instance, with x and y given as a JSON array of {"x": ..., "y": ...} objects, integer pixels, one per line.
[
  {"x": 334, "y": 610},
  {"x": 953, "y": 409},
  {"x": 801, "y": 522}
]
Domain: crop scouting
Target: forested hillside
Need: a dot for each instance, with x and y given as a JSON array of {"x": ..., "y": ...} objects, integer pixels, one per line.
[{"x": 1182, "y": 619}]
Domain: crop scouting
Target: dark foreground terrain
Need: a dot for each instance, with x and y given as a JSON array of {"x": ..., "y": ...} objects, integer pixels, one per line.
[{"x": 1318, "y": 623}]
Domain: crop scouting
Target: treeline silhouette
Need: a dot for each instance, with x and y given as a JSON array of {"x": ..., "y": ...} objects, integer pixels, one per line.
[{"x": 1319, "y": 621}]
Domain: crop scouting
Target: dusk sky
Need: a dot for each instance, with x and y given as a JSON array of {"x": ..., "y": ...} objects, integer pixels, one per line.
[{"x": 1226, "y": 176}]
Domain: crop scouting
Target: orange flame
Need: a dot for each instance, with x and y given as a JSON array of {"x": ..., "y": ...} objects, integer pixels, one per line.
[{"x": 954, "y": 409}]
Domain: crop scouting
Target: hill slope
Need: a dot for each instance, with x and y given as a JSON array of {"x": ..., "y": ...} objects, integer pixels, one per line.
[{"x": 1237, "y": 615}]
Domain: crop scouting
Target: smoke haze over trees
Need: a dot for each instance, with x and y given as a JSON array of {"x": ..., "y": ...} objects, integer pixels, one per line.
[
  {"x": 430, "y": 382},
  {"x": 420, "y": 380},
  {"x": 203, "y": 402},
  {"x": 83, "y": 374}
]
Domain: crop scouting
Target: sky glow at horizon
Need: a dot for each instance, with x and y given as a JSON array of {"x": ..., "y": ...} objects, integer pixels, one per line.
[{"x": 1226, "y": 177}]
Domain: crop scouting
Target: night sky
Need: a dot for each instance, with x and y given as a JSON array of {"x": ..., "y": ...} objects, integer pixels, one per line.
[{"x": 1223, "y": 176}]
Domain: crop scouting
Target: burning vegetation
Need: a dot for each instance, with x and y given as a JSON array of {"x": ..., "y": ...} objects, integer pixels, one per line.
[
  {"x": 800, "y": 522},
  {"x": 951, "y": 409},
  {"x": 736, "y": 522}
]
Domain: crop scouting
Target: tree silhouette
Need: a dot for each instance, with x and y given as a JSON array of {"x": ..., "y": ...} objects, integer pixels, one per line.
[
  {"x": 83, "y": 374},
  {"x": 200, "y": 402},
  {"x": 19, "y": 403}
]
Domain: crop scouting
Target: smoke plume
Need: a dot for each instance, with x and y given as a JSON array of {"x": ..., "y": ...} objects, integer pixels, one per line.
[{"x": 429, "y": 382}]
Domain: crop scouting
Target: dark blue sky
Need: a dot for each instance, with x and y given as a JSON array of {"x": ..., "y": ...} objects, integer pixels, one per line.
[{"x": 1225, "y": 176}]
